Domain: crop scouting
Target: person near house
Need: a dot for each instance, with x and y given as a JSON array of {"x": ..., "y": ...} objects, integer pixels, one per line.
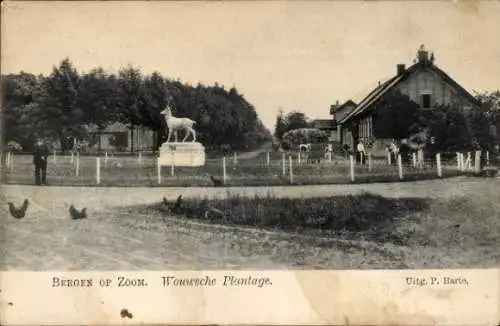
[
  {"x": 394, "y": 150},
  {"x": 431, "y": 146},
  {"x": 360, "y": 148},
  {"x": 40, "y": 157}
]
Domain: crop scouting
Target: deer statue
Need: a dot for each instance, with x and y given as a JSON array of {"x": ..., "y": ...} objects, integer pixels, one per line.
[{"x": 174, "y": 124}]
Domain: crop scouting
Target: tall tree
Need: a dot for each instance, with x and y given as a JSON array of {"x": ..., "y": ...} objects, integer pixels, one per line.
[
  {"x": 59, "y": 113},
  {"x": 448, "y": 126},
  {"x": 395, "y": 116},
  {"x": 97, "y": 100},
  {"x": 296, "y": 120},
  {"x": 19, "y": 93},
  {"x": 155, "y": 98},
  {"x": 486, "y": 121},
  {"x": 130, "y": 94}
]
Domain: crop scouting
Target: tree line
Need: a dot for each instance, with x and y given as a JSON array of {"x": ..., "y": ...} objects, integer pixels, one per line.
[{"x": 65, "y": 103}]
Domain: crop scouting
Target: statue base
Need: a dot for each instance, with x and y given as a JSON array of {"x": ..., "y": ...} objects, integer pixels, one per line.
[{"x": 182, "y": 154}]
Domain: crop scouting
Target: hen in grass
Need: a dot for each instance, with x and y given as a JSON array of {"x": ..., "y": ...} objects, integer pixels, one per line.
[
  {"x": 217, "y": 182},
  {"x": 19, "y": 212},
  {"x": 178, "y": 205},
  {"x": 76, "y": 214}
]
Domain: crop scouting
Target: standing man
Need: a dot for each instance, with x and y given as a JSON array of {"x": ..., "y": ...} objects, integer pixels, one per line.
[
  {"x": 40, "y": 157},
  {"x": 360, "y": 148}
]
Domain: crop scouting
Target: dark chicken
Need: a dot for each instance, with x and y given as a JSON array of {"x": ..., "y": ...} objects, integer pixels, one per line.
[
  {"x": 19, "y": 212},
  {"x": 76, "y": 214},
  {"x": 216, "y": 182}
]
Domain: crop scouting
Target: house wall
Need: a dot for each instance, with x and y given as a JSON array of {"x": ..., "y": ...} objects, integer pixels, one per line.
[
  {"x": 144, "y": 139},
  {"x": 421, "y": 82},
  {"x": 429, "y": 82}
]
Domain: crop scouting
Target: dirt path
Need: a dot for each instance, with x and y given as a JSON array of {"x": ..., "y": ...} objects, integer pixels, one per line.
[
  {"x": 249, "y": 155},
  {"x": 47, "y": 240},
  {"x": 56, "y": 198}
]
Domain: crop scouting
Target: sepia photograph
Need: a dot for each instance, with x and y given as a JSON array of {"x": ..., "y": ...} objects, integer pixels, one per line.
[{"x": 322, "y": 135}]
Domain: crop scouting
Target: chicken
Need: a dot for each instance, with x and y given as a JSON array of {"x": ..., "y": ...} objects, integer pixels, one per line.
[
  {"x": 165, "y": 207},
  {"x": 216, "y": 182},
  {"x": 177, "y": 206},
  {"x": 76, "y": 214},
  {"x": 19, "y": 212},
  {"x": 124, "y": 313}
]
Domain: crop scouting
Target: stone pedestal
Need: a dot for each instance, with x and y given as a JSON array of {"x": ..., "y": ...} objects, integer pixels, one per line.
[{"x": 182, "y": 154}]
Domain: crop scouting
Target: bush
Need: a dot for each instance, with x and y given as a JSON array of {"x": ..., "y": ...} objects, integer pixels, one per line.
[
  {"x": 305, "y": 135},
  {"x": 14, "y": 146}
]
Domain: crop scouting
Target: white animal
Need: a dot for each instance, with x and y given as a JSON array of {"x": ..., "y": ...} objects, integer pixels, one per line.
[
  {"x": 305, "y": 147},
  {"x": 174, "y": 124}
]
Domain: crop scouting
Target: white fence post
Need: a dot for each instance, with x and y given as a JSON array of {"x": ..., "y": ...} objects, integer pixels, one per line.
[
  {"x": 487, "y": 158},
  {"x": 469, "y": 161},
  {"x": 298, "y": 157},
  {"x": 369, "y": 162},
  {"x": 158, "y": 170},
  {"x": 235, "y": 158},
  {"x": 477, "y": 162},
  {"x": 72, "y": 158},
  {"x": 400, "y": 167},
  {"x": 77, "y": 167},
  {"x": 172, "y": 165},
  {"x": 54, "y": 158},
  {"x": 438, "y": 165},
  {"x": 9, "y": 159},
  {"x": 420, "y": 158},
  {"x": 224, "y": 169},
  {"x": 459, "y": 161},
  {"x": 389, "y": 158},
  {"x": 351, "y": 167},
  {"x": 140, "y": 158},
  {"x": 106, "y": 159},
  {"x": 98, "y": 170},
  {"x": 290, "y": 159},
  {"x": 11, "y": 162},
  {"x": 414, "y": 160},
  {"x": 268, "y": 159},
  {"x": 283, "y": 161}
]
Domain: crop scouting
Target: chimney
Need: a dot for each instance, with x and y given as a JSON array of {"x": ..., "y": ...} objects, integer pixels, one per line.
[
  {"x": 401, "y": 69},
  {"x": 423, "y": 54},
  {"x": 333, "y": 109}
]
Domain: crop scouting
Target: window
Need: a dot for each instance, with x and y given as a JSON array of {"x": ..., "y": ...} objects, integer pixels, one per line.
[{"x": 426, "y": 101}]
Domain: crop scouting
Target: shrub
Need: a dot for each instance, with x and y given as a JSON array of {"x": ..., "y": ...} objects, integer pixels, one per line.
[{"x": 305, "y": 135}]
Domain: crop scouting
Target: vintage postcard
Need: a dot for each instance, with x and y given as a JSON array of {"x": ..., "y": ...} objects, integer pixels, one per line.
[{"x": 247, "y": 162}]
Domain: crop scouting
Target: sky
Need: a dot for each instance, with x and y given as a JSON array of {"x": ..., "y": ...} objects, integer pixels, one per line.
[{"x": 293, "y": 55}]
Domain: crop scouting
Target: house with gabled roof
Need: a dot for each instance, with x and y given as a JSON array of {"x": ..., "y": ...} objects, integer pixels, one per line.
[{"x": 423, "y": 82}]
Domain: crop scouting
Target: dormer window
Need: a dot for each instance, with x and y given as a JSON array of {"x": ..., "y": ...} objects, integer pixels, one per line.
[{"x": 426, "y": 101}]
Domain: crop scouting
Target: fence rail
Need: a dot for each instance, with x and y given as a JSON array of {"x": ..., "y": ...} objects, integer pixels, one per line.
[{"x": 269, "y": 168}]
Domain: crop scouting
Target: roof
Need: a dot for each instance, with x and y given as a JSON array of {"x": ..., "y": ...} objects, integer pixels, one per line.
[
  {"x": 323, "y": 124},
  {"x": 114, "y": 127},
  {"x": 389, "y": 85},
  {"x": 335, "y": 109}
]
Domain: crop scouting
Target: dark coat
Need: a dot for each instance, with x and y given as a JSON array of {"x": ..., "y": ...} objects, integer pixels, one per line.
[{"x": 40, "y": 155}]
